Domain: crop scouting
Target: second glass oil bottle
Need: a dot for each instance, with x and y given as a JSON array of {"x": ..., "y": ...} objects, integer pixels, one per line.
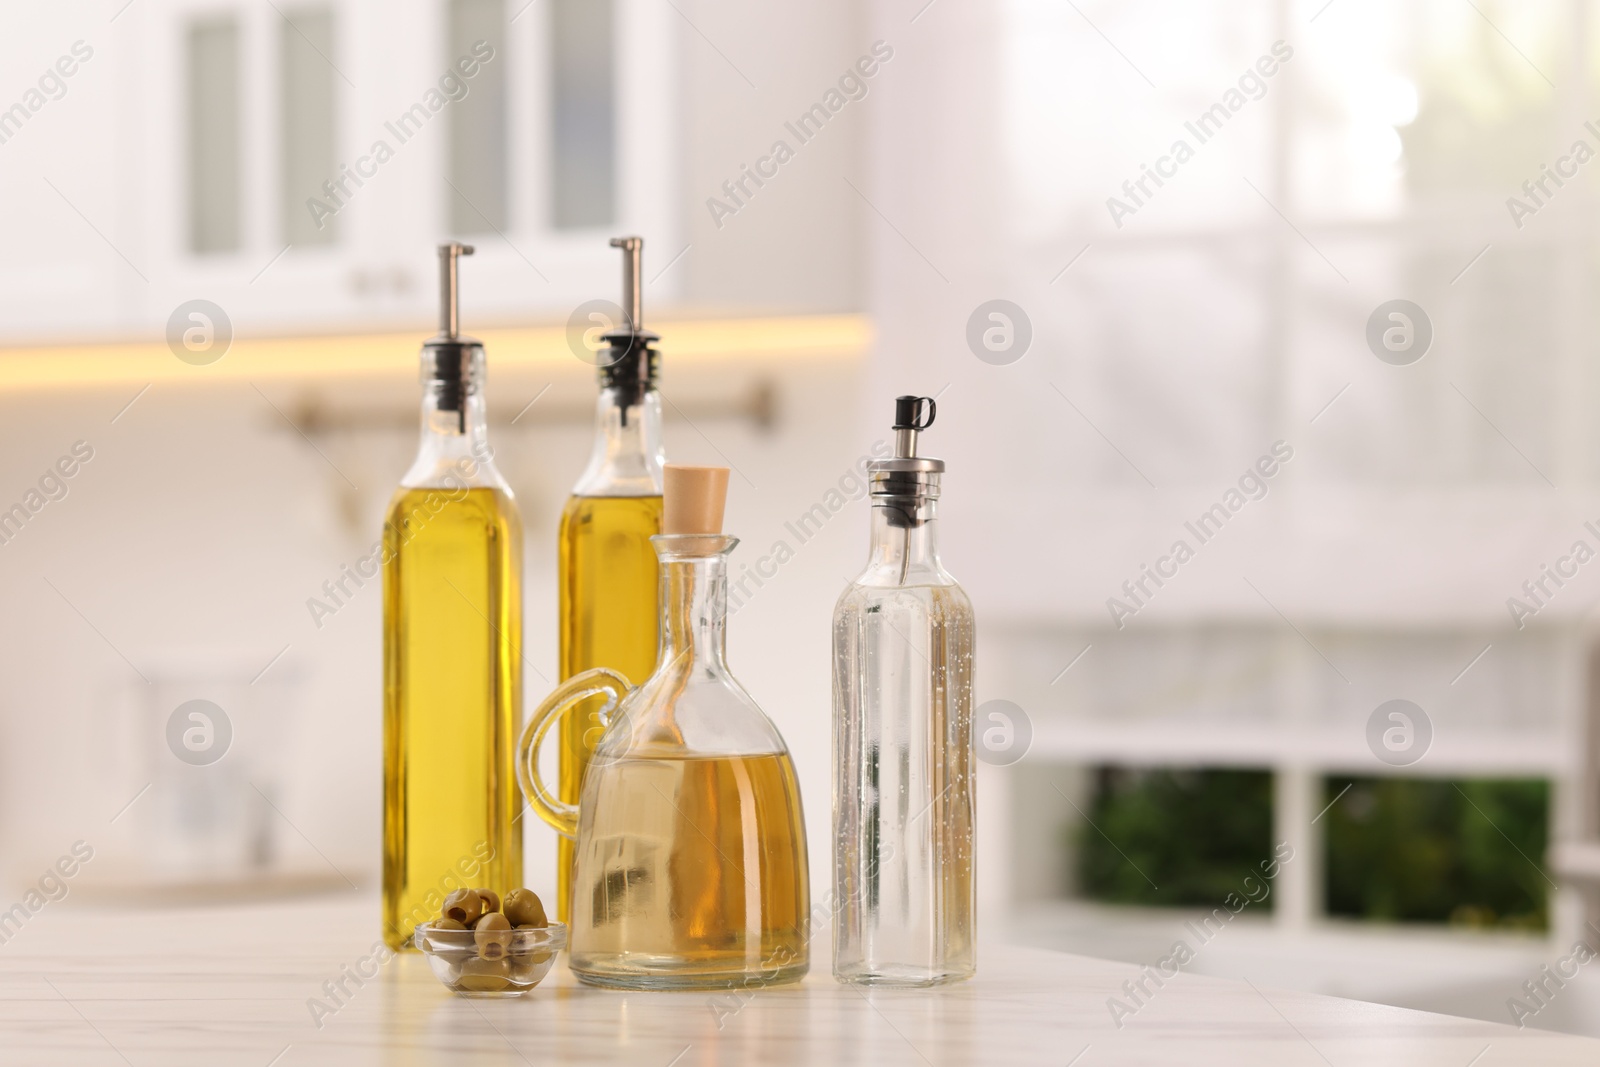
[{"x": 608, "y": 573}]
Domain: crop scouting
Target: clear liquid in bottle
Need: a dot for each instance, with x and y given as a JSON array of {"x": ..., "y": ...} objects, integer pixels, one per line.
[{"x": 903, "y": 798}]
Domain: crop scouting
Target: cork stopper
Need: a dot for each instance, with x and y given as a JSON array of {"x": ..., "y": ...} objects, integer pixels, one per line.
[{"x": 693, "y": 499}]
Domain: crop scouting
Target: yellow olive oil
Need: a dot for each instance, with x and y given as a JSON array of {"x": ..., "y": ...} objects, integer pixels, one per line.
[
  {"x": 452, "y": 589},
  {"x": 696, "y": 872},
  {"x": 610, "y": 617}
]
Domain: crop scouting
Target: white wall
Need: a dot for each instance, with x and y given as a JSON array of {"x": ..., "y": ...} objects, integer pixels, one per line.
[{"x": 203, "y": 523}]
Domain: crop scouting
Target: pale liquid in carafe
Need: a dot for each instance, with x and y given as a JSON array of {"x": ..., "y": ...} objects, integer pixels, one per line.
[{"x": 695, "y": 871}]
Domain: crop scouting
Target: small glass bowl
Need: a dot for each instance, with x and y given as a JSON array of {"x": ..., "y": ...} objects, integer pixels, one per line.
[{"x": 454, "y": 957}]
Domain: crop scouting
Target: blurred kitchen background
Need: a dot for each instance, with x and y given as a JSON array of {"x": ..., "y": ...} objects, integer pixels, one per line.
[{"x": 1156, "y": 352}]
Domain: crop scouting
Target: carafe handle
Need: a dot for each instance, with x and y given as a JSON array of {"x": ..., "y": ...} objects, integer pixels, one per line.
[{"x": 562, "y": 817}]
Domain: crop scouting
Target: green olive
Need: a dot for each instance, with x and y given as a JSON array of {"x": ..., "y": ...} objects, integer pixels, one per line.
[
  {"x": 527, "y": 970},
  {"x": 464, "y": 905},
  {"x": 484, "y": 976},
  {"x": 532, "y": 955},
  {"x": 493, "y": 936},
  {"x": 522, "y": 948},
  {"x": 447, "y": 924},
  {"x": 524, "y": 908},
  {"x": 491, "y": 899}
]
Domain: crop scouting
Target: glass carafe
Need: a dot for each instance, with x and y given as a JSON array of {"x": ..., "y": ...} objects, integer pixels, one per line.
[{"x": 690, "y": 867}]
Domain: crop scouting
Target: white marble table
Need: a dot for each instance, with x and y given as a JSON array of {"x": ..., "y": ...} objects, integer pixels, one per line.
[{"x": 230, "y": 985}]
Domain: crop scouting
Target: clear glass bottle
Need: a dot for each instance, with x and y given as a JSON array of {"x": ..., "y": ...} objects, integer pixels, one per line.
[
  {"x": 608, "y": 575},
  {"x": 452, "y": 647},
  {"x": 691, "y": 868},
  {"x": 902, "y": 729}
]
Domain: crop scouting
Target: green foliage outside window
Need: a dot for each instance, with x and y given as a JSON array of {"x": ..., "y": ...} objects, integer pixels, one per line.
[
  {"x": 1195, "y": 835},
  {"x": 1463, "y": 852},
  {"x": 1420, "y": 850}
]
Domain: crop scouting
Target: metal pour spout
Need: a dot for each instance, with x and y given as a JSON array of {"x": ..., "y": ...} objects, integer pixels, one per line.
[
  {"x": 911, "y": 415},
  {"x": 632, "y": 282},
  {"x": 450, "y": 289}
]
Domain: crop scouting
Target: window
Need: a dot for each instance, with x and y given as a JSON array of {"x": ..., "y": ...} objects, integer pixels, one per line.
[
  {"x": 306, "y": 76},
  {"x": 477, "y": 162},
  {"x": 1392, "y": 139},
  {"x": 214, "y": 173},
  {"x": 1173, "y": 836},
  {"x": 583, "y": 119},
  {"x": 1467, "y": 852}
]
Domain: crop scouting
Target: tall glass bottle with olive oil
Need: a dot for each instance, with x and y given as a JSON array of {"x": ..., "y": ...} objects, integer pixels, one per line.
[
  {"x": 452, "y": 646},
  {"x": 609, "y": 575}
]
